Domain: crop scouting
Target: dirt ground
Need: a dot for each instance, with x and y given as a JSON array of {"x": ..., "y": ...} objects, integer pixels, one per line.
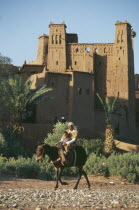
[{"x": 97, "y": 182}]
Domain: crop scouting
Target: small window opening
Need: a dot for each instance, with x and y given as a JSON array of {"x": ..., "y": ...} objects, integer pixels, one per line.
[
  {"x": 80, "y": 91},
  {"x": 59, "y": 39},
  {"x": 87, "y": 49},
  {"x": 138, "y": 84},
  {"x": 77, "y": 50},
  {"x": 52, "y": 39},
  {"x": 96, "y": 50},
  {"x": 56, "y": 62},
  {"x": 105, "y": 51},
  {"x": 75, "y": 62},
  {"x": 119, "y": 58},
  {"x": 87, "y": 91},
  {"x": 56, "y": 40}
]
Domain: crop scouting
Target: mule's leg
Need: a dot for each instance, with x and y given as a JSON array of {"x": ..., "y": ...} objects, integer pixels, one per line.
[
  {"x": 63, "y": 183},
  {"x": 57, "y": 178},
  {"x": 79, "y": 177},
  {"x": 85, "y": 175}
]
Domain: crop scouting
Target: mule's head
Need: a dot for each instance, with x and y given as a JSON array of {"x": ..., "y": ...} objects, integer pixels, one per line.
[{"x": 40, "y": 153}]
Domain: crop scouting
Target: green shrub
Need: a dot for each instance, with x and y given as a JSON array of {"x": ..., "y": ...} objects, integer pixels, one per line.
[
  {"x": 125, "y": 165},
  {"x": 3, "y": 144},
  {"x": 56, "y": 134},
  {"x": 11, "y": 145},
  {"x": 92, "y": 145},
  {"x": 96, "y": 165},
  {"x": 26, "y": 168}
]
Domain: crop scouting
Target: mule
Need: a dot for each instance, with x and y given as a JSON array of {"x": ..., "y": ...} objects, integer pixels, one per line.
[{"x": 76, "y": 157}]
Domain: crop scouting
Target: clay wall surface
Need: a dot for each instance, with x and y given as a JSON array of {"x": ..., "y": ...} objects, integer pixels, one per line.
[
  {"x": 81, "y": 57},
  {"x": 42, "y": 49},
  {"x": 136, "y": 82},
  {"x": 83, "y": 103},
  {"x": 34, "y": 134},
  {"x": 137, "y": 96},
  {"x": 108, "y": 66},
  {"x": 57, "y": 48},
  {"x": 58, "y": 106}
]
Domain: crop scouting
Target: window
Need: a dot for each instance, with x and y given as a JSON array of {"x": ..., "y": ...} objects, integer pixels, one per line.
[
  {"x": 96, "y": 50},
  {"x": 138, "y": 84},
  {"x": 56, "y": 62},
  {"x": 87, "y": 91},
  {"x": 87, "y": 49},
  {"x": 105, "y": 50},
  {"x": 52, "y": 39},
  {"x": 56, "y": 39},
  {"x": 59, "y": 39},
  {"x": 80, "y": 91},
  {"x": 75, "y": 62}
]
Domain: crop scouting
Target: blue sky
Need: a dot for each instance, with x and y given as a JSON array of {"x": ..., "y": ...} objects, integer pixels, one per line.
[{"x": 22, "y": 21}]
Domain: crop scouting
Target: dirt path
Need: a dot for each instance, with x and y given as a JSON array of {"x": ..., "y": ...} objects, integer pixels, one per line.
[
  {"x": 33, "y": 194},
  {"x": 97, "y": 182}
]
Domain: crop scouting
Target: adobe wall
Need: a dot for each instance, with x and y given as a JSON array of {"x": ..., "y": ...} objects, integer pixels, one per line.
[
  {"x": 81, "y": 57},
  {"x": 58, "y": 106},
  {"x": 34, "y": 134},
  {"x": 57, "y": 48},
  {"x": 82, "y": 113},
  {"x": 136, "y": 82},
  {"x": 110, "y": 65}
]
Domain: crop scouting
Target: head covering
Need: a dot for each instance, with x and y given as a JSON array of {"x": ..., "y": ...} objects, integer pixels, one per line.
[{"x": 70, "y": 123}]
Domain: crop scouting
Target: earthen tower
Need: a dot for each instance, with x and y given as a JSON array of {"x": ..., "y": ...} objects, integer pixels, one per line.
[{"x": 77, "y": 71}]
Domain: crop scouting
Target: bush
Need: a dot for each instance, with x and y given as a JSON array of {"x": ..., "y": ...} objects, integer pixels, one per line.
[
  {"x": 92, "y": 145},
  {"x": 3, "y": 144},
  {"x": 57, "y": 133},
  {"x": 126, "y": 166},
  {"x": 96, "y": 165},
  {"x": 10, "y": 145},
  {"x": 26, "y": 168}
]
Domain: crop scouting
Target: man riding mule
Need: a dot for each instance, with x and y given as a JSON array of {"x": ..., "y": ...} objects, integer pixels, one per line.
[
  {"x": 53, "y": 153},
  {"x": 67, "y": 142}
]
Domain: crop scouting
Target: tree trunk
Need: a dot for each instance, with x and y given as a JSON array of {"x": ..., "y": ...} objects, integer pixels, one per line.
[{"x": 109, "y": 145}]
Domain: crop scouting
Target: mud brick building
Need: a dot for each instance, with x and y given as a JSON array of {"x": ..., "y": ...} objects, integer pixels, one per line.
[{"x": 76, "y": 72}]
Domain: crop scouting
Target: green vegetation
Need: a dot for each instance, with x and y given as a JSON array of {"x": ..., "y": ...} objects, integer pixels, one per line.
[
  {"x": 109, "y": 107},
  {"x": 16, "y": 99},
  {"x": 10, "y": 145},
  {"x": 26, "y": 168},
  {"x": 125, "y": 166},
  {"x": 56, "y": 134},
  {"x": 16, "y": 96},
  {"x": 95, "y": 146}
]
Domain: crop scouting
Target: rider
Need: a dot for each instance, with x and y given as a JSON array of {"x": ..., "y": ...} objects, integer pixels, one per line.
[
  {"x": 72, "y": 135},
  {"x": 67, "y": 141}
]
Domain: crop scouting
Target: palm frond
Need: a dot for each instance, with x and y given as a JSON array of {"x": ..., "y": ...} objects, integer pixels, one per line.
[{"x": 100, "y": 99}]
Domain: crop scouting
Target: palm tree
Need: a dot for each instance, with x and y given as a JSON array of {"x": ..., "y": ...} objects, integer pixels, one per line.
[
  {"x": 16, "y": 96},
  {"x": 109, "y": 105}
]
